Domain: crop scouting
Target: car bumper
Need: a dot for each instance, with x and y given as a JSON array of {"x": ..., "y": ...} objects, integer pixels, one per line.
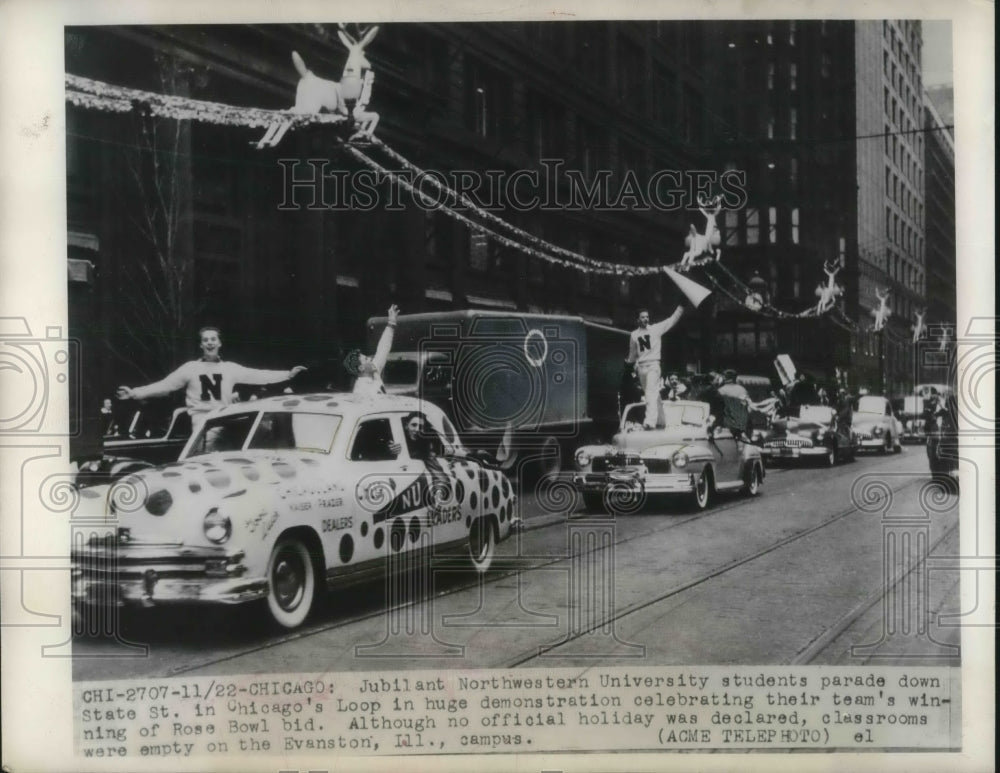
[
  {"x": 651, "y": 483},
  {"x": 794, "y": 452},
  {"x": 874, "y": 443},
  {"x": 149, "y": 576}
]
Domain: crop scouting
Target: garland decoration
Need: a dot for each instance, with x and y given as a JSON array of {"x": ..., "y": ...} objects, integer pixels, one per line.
[{"x": 92, "y": 94}]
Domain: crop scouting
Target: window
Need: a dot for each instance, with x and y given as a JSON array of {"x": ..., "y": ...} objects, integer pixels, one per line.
[
  {"x": 791, "y": 33},
  {"x": 730, "y": 225},
  {"x": 770, "y": 127},
  {"x": 772, "y": 221},
  {"x": 753, "y": 225},
  {"x": 795, "y": 225},
  {"x": 770, "y": 76},
  {"x": 793, "y": 76},
  {"x": 371, "y": 441},
  {"x": 793, "y": 128}
]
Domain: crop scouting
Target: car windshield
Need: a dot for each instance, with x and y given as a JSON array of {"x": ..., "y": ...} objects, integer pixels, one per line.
[
  {"x": 820, "y": 414},
  {"x": 674, "y": 415},
  {"x": 870, "y": 404},
  {"x": 277, "y": 430}
]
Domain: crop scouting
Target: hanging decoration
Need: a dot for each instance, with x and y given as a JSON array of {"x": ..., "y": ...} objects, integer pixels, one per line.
[
  {"x": 829, "y": 292},
  {"x": 321, "y": 101},
  {"x": 96, "y": 95},
  {"x": 314, "y": 95},
  {"x": 883, "y": 312},
  {"x": 705, "y": 246}
]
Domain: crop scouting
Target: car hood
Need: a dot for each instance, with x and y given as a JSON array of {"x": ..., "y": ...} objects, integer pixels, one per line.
[
  {"x": 861, "y": 420},
  {"x": 792, "y": 426},
  {"x": 641, "y": 440},
  {"x": 168, "y": 503}
]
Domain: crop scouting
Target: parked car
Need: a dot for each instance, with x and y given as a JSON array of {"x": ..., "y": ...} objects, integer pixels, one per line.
[
  {"x": 682, "y": 456},
  {"x": 875, "y": 426},
  {"x": 816, "y": 433},
  {"x": 275, "y": 498},
  {"x": 124, "y": 453}
]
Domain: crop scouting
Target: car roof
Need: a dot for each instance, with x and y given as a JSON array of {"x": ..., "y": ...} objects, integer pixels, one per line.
[{"x": 345, "y": 403}]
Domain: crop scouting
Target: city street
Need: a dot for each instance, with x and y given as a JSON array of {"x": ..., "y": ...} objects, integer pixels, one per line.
[{"x": 797, "y": 575}]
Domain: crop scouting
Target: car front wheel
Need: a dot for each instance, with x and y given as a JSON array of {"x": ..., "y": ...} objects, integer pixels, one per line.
[
  {"x": 752, "y": 488},
  {"x": 702, "y": 490},
  {"x": 482, "y": 544},
  {"x": 291, "y": 582}
]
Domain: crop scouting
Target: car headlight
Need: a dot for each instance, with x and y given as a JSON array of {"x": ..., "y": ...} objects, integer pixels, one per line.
[
  {"x": 217, "y": 527},
  {"x": 878, "y": 430},
  {"x": 582, "y": 458},
  {"x": 679, "y": 459}
]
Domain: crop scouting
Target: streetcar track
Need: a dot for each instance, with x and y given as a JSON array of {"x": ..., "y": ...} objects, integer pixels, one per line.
[
  {"x": 499, "y": 576},
  {"x": 495, "y": 576},
  {"x": 538, "y": 651},
  {"x": 812, "y": 650}
]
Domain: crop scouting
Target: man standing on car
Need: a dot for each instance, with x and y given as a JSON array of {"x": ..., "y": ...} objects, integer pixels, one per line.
[
  {"x": 644, "y": 351},
  {"x": 209, "y": 381}
]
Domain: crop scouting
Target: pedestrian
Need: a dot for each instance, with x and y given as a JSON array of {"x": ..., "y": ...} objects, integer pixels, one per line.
[
  {"x": 208, "y": 381},
  {"x": 736, "y": 400},
  {"x": 368, "y": 370},
  {"x": 644, "y": 351},
  {"x": 731, "y": 388}
]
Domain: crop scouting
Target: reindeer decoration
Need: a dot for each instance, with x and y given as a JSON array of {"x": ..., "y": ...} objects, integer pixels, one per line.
[
  {"x": 918, "y": 327},
  {"x": 945, "y": 335},
  {"x": 883, "y": 312},
  {"x": 703, "y": 245},
  {"x": 315, "y": 94},
  {"x": 829, "y": 292}
]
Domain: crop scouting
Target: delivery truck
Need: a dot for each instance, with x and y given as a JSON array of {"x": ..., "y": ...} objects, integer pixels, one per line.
[{"x": 528, "y": 388}]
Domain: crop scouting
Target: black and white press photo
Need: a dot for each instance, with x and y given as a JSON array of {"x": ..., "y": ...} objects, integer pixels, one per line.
[{"x": 604, "y": 382}]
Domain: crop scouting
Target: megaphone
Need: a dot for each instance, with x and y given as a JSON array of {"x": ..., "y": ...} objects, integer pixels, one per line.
[{"x": 693, "y": 291}]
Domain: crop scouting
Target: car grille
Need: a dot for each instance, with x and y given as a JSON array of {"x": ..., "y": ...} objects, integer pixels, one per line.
[
  {"x": 864, "y": 436},
  {"x": 605, "y": 463},
  {"x": 789, "y": 443}
]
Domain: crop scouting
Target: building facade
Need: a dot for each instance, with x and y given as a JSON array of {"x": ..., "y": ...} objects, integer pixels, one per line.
[
  {"x": 188, "y": 223},
  {"x": 825, "y": 117},
  {"x": 940, "y": 246}
]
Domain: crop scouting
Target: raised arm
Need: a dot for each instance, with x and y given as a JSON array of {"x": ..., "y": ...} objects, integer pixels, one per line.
[
  {"x": 385, "y": 342},
  {"x": 662, "y": 327}
]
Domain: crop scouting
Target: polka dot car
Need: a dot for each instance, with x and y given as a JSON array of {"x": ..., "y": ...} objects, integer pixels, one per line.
[{"x": 277, "y": 498}]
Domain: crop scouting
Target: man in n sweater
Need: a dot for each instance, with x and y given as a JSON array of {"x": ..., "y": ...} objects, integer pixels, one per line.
[
  {"x": 207, "y": 382},
  {"x": 644, "y": 351}
]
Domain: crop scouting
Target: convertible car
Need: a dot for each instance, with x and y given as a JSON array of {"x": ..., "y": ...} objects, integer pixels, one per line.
[
  {"x": 272, "y": 499},
  {"x": 816, "y": 433},
  {"x": 683, "y": 456}
]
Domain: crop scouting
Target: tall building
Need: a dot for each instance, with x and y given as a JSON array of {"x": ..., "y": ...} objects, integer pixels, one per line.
[
  {"x": 825, "y": 117},
  {"x": 939, "y": 166},
  {"x": 188, "y": 223}
]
